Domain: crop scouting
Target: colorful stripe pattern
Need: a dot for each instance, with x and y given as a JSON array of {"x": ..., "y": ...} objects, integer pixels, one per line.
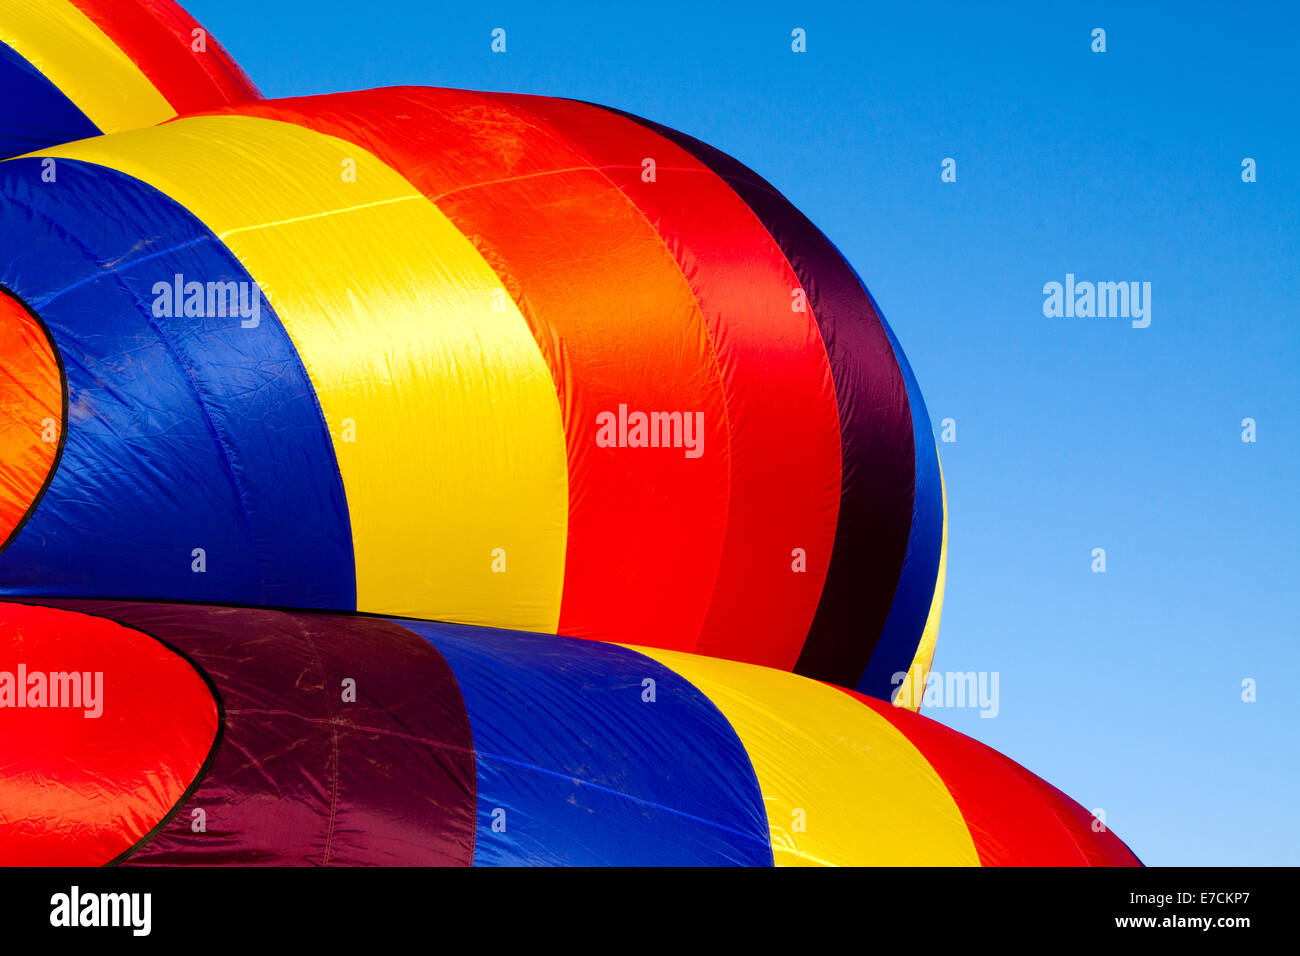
[
  {"x": 525, "y": 362},
  {"x": 883, "y": 466},
  {"x": 76, "y": 68},
  {"x": 358, "y": 739},
  {"x": 511, "y": 361}
]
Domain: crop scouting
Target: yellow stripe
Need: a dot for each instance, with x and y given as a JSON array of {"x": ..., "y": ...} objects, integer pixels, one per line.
[
  {"x": 78, "y": 58},
  {"x": 913, "y": 689},
  {"x": 407, "y": 332},
  {"x": 825, "y": 761}
]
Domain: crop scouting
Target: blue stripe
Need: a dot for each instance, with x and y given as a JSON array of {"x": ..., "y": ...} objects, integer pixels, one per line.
[
  {"x": 159, "y": 457},
  {"x": 34, "y": 113},
  {"x": 583, "y": 772},
  {"x": 912, "y": 598}
]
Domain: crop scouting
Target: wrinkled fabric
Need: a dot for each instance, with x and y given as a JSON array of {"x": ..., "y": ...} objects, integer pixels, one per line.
[
  {"x": 306, "y": 738},
  {"x": 470, "y": 317},
  {"x": 580, "y": 383}
]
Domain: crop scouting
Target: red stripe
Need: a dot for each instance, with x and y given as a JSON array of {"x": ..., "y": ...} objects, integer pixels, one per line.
[
  {"x": 616, "y": 322},
  {"x": 1096, "y": 841},
  {"x": 876, "y": 504},
  {"x": 1015, "y": 818},
  {"x": 780, "y": 397},
  {"x": 78, "y": 790},
  {"x": 158, "y": 36}
]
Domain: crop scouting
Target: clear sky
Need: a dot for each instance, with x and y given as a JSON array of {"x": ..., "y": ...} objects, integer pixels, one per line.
[{"x": 1122, "y": 688}]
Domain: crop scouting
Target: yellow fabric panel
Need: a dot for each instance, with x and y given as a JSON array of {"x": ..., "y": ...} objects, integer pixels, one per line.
[
  {"x": 913, "y": 689},
  {"x": 77, "y": 57},
  {"x": 407, "y": 333},
  {"x": 869, "y": 797}
]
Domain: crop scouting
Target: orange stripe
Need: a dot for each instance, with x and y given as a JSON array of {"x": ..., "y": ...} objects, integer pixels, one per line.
[
  {"x": 781, "y": 406},
  {"x": 31, "y": 413}
]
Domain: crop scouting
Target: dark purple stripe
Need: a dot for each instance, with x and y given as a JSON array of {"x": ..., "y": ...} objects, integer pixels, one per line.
[
  {"x": 876, "y": 437},
  {"x": 301, "y": 777}
]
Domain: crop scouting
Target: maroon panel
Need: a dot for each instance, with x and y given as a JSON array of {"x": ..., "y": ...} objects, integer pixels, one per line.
[{"x": 302, "y": 777}]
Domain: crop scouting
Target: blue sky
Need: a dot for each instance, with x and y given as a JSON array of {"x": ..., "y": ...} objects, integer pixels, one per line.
[{"x": 1123, "y": 688}]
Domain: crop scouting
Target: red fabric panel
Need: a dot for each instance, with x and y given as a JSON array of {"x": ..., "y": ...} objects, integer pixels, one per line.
[
  {"x": 617, "y": 324},
  {"x": 1098, "y": 844},
  {"x": 876, "y": 431},
  {"x": 158, "y": 35},
  {"x": 78, "y": 790},
  {"x": 780, "y": 397}
]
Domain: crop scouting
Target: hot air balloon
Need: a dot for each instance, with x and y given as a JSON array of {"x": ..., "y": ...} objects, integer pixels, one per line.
[
  {"x": 462, "y": 745},
  {"x": 619, "y": 487},
  {"x": 465, "y": 362}
]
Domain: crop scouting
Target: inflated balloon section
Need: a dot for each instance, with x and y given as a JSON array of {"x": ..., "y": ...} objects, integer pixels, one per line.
[{"x": 425, "y": 476}]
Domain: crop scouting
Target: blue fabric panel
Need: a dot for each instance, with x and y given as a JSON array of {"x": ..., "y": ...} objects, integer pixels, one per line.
[
  {"x": 34, "y": 113},
  {"x": 159, "y": 459},
  {"x": 582, "y": 771}
]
